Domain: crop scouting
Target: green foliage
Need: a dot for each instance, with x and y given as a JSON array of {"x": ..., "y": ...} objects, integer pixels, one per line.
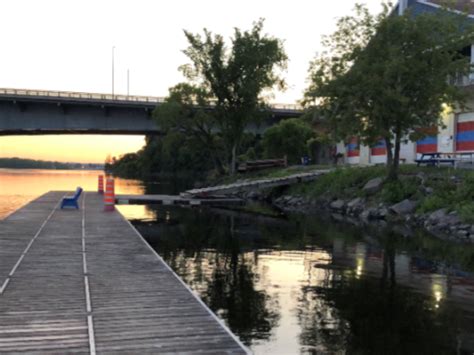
[
  {"x": 396, "y": 191},
  {"x": 20, "y": 163},
  {"x": 466, "y": 212},
  {"x": 346, "y": 182},
  {"x": 432, "y": 203},
  {"x": 288, "y": 138},
  {"x": 454, "y": 192},
  {"x": 173, "y": 153},
  {"x": 185, "y": 111},
  {"x": 235, "y": 79},
  {"x": 386, "y": 76}
]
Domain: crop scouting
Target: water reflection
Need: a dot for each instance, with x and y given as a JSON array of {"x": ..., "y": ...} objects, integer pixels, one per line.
[
  {"x": 312, "y": 286},
  {"x": 20, "y": 186},
  {"x": 301, "y": 285}
]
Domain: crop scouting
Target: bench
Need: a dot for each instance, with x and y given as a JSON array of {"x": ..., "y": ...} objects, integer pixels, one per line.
[
  {"x": 435, "y": 159},
  {"x": 261, "y": 165},
  {"x": 71, "y": 200}
]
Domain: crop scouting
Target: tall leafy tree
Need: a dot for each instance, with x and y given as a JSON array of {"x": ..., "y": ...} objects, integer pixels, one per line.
[
  {"x": 236, "y": 78},
  {"x": 187, "y": 110},
  {"x": 288, "y": 137},
  {"x": 386, "y": 76}
]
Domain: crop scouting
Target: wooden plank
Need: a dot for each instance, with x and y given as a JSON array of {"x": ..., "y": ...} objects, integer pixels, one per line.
[
  {"x": 85, "y": 281},
  {"x": 252, "y": 184},
  {"x": 168, "y": 200}
]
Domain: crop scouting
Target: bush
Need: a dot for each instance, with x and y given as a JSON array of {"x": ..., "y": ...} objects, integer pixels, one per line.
[
  {"x": 397, "y": 191},
  {"x": 340, "y": 182},
  {"x": 466, "y": 212},
  {"x": 432, "y": 203},
  {"x": 288, "y": 138}
]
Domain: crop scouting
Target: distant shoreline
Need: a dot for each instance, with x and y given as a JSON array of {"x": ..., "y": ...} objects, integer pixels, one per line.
[{"x": 21, "y": 163}]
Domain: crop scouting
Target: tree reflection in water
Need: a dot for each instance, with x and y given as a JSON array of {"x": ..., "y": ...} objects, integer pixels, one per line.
[
  {"x": 363, "y": 315},
  {"x": 335, "y": 288},
  {"x": 210, "y": 258}
]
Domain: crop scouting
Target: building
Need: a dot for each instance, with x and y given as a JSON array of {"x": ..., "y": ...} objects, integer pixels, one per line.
[{"x": 457, "y": 135}]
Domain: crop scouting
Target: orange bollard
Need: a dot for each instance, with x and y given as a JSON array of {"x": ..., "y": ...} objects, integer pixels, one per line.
[
  {"x": 109, "y": 196},
  {"x": 100, "y": 190}
]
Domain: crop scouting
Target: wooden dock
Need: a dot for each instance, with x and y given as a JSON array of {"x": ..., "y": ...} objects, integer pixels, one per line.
[
  {"x": 85, "y": 281},
  {"x": 169, "y": 200},
  {"x": 241, "y": 186}
]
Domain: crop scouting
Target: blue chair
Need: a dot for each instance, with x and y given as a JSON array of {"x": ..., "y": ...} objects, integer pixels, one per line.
[{"x": 72, "y": 200}]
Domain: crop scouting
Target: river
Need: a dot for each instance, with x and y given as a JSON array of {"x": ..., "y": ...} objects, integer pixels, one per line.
[{"x": 300, "y": 284}]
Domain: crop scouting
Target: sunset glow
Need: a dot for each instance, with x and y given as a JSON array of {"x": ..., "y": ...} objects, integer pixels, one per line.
[{"x": 69, "y": 148}]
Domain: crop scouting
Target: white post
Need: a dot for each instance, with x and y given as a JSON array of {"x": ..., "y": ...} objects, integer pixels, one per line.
[
  {"x": 402, "y": 5},
  {"x": 128, "y": 82},
  {"x": 113, "y": 72}
]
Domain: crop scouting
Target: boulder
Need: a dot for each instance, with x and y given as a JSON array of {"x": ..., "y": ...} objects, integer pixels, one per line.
[
  {"x": 382, "y": 212},
  {"x": 451, "y": 220},
  {"x": 337, "y": 205},
  {"x": 355, "y": 202},
  {"x": 373, "y": 186},
  {"x": 465, "y": 227},
  {"x": 429, "y": 190},
  {"x": 437, "y": 215},
  {"x": 404, "y": 207},
  {"x": 367, "y": 214}
]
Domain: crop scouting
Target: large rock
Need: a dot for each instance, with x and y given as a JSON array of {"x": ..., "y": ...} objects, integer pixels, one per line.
[
  {"x": 337, "y": 205},
  {"x": 367, "y": 214},
  {"x": 437, "y": 215},
  {"x": 404, "y": 207},
  {"x": 355, "y": 202},
  {"x": 373, "y": 185},
  {"x": 452, "y": 220}
]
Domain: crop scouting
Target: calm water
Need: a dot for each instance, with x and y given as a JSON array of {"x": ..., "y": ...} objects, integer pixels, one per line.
[{"x": 301, "y": 284}]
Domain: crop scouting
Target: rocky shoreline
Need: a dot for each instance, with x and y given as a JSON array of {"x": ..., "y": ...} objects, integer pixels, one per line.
[
  {"x": 362, "y": 210},
  {"x": 447, "y": 226}
]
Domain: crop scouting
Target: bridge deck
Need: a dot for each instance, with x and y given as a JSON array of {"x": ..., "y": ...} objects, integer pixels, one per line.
[{"x": 85, "y": 281}]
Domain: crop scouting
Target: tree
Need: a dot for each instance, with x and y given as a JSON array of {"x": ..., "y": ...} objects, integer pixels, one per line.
[
  {"x": 235, "y": 79},
  {"x": 288, "y": 137},
  {"x": 386, "y": 76},
  {"x": 186, "y": 110}
]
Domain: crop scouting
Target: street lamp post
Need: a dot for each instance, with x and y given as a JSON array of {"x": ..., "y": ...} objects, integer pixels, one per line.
[
  {"x": 128, "y": 82},
  {"x": 113, "y": 71}
]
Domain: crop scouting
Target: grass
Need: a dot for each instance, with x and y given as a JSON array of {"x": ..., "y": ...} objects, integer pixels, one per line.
[{"x": 450, "y": 189}]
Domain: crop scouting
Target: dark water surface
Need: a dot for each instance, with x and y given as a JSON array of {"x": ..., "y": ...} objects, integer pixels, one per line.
[{"x": 302, "y": 284}]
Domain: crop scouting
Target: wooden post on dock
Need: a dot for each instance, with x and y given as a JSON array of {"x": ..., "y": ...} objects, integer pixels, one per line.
[{"x": 109, "y": 196}]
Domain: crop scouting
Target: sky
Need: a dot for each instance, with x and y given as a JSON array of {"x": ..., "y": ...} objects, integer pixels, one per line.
[{"x": 67, "y": 45}]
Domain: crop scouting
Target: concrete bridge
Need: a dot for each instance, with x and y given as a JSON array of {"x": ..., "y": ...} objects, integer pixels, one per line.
[{"x": 29, "y": 112}]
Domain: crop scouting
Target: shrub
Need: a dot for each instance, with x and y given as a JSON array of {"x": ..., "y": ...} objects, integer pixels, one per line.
[
  {"x": 397, "y": 191},
  {"x": 288, "y": 138},
  {"x": 432, "y": 203},
  {"x": 466, "y": 212}
]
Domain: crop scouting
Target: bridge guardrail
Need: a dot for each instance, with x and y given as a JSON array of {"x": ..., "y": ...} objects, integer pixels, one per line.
[{"x": 98, "y": 96}]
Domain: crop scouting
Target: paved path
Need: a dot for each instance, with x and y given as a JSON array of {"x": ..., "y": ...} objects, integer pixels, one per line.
[{"x": 85, "y": 281}]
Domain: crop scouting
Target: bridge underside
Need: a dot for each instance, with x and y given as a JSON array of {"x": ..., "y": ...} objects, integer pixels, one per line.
[
  {"x": 41, "y": 115},
  {"x": 17, "y": 118}
]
